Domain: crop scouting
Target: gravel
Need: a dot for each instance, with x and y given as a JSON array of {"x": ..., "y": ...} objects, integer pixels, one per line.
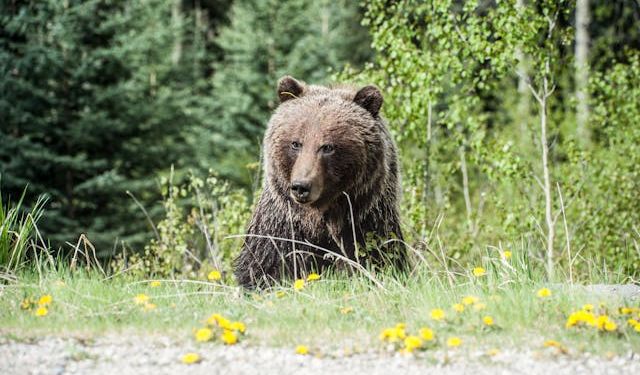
[{"x": 126, "y": 354}]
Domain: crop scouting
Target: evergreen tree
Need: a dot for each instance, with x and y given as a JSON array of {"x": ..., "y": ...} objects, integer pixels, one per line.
[{"x": 90, "y": 109}]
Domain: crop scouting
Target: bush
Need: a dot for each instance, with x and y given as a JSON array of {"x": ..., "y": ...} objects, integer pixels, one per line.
[{"x": 191, "y": 240}]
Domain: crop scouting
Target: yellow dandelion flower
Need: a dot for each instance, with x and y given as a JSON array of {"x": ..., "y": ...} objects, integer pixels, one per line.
[
  {"x": 141, "y": 299},
  {"x": 580, "y": 317},
  {"x": 487, "y": 320},
  {"x": 298, "y": 284},
  {"x": 493, "y": 352},
  {"x": 155, "y": 283},
  {"x": 214, "y": 275},
  {"x": 458, "y": 307},
  {"x": 45, "y": 300},
  {"x": 394, "y": 334},
  {"x": 346, "y": 310},
  {"x": 454, "y": 342},
  {"x": 479, "y": 271},
  {"x": 313, "y": 277},
  {"x": 426, "y": 334},
  {"x": 237, "y": 326},
  {"x": 228, "y": 337},
  {"x": 507, "y": 254},
  {"x": 637, "y": 328},
  {"x": 479, "y": 306},
  {"x": 224, "y": 323},
  {"x": 588, "y": 307},
  {"x": 629, "y": 310},
  {"x": 437, "y": 314},
  {"x": 213, "y": 319},
  {"x": 543, "y": 293},
  {"x": 610, "y": 326},
  {"x": 302, "y": 349},
  {"x": 149, "y": 306},
  {"x": 469, "y": 300},
  {"x": 632, "y": 322},
  {"x": 203, "y": 335},
  {"x": 551, "y": 344},
  {"x": 191, "y": 358},
  {"x": 412, "y": 342},
  {"x": 42, "y": 311}
]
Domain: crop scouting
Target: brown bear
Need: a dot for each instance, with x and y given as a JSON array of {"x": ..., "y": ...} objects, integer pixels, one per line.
[{"x": 328, "y": 158}]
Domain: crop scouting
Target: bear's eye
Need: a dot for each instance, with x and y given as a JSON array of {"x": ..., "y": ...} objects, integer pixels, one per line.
[
  {"x": 296, "y": 145},
  {"x": 327, "y": 149}
]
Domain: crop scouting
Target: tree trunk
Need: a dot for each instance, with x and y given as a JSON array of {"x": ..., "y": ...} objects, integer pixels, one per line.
[
  {"x": 548, "y": 198},
  {"x": 582, "y": 71},
  {"x": 176, "y": 22},
  {"x": 465, "y": 188},
  {"x": 523, "y": 90}
]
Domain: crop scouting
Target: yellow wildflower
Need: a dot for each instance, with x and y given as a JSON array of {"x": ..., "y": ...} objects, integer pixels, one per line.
[
  {"x": 313, "y": 277},
  {"x": 394, "y": 334},
  {"x": 453, "y": 342},
  {"x": 280, "y": 294},
  {"x": 155, "y": 283},
  {"x": 214, "y": 275},
  {"x": 219, "y": 320},
  {"x": 637, "y": 328},
  {"x": 302, "y": 349},
  {"x": 632, "y": 322},
  {"x": 204, "y": 335},
  {"x": 479, "y": 271},
  {"x": 507, "y": 254},
  {"x": 298, "y": 284},
  {"x": 237, "y": 326},
  {"x": 228, "y": 337},
  {"x": 437, "y": 314},
  {"x": 426, "y": 334},
  {"x": 579, "y": 317},
  {"x": 493, "y": 352},
  {"x": 412, "y": 342},
  {"x": 45, "y": 300},
  {"x": 610, "y": 326},
  {"x": 141, "y": 299},
  {"x": 191, "y": 358},
  {"x": 487, "y": 320},
  {"x": 458, "y": 307},
  {"x": 552, "y": 344},
  {"x": 588, "y": 307},
  {"x": 346, "y": 310},
  {"x": 544, "y": 293},
  {"x": 469, "y": 300},
  {"x": 42, "y": 311}
]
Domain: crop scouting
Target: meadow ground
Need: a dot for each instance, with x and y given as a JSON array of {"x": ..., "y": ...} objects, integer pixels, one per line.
[{"x": 83, "y": 322}]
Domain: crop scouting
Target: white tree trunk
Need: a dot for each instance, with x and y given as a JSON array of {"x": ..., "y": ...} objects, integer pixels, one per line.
[
  {"x": 582, "y": 70},
  {"x": 523, "y": 94}
]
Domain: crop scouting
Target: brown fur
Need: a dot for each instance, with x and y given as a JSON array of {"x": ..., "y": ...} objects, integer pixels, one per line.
[{"x": 334, "y": 140}]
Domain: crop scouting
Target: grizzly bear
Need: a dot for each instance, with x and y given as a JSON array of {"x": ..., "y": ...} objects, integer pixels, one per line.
[{"x": 330, "y": 190}]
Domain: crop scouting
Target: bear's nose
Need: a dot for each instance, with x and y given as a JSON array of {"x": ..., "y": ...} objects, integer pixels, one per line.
[{"x": 301, "y": 189}]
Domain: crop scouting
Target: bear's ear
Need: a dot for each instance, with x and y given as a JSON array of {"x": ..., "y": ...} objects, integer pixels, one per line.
[
  {"x": 289, "y": 88},
  {"x": 369, "y": 98}
]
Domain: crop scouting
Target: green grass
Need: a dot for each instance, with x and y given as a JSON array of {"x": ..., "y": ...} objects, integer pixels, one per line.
[{"x": 85, "y": 304}]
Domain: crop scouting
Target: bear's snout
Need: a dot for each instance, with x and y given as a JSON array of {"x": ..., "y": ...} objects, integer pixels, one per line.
[{"x": 300, "y": 190}]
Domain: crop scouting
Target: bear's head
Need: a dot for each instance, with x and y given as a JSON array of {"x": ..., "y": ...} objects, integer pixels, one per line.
[{"x": 323, "y": 141}]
